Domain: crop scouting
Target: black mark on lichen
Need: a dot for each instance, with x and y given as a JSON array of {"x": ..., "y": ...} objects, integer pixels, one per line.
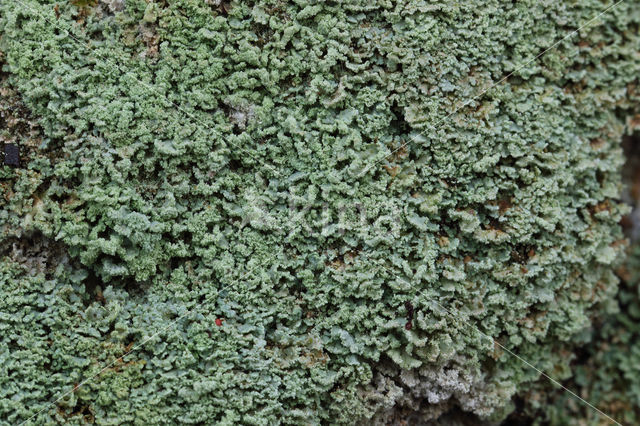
[{"x": 11, "y": 154}]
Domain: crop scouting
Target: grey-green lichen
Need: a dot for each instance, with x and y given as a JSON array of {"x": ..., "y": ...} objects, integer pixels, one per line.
[
  {"x": 303, "y": 170},
  {"x": 605, "y": 369},
  {"x": 605, "y": 372}
]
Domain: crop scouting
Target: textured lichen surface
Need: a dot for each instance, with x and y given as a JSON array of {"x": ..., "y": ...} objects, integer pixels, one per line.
[
  {"x": 310, "y": 173},
  {"x": 606, "y": 368}
]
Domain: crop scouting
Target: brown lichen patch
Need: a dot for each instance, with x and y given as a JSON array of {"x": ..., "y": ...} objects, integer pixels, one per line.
[
  {"x": 314, "y": 358},
  {"x": 497, "y": 350},
  {"x": 84, "y": 9},
  {"x": 597, "y": 143},
  {"x": 532, "y": 320},
  {"x": 120, "y": 364},
  {"x": 400, "y": 153},
  {"x": 392, "y": 170},
  {"x": 634, "y": 122},
  {"x": 605, "y": 205},
  {"x": 149, "y": 36},
  {"x": 84, "y": 3},
  {"x": 350, "y": 256},
  {"x": 504, "y": 205},
  {"x": 624, "y": 273}
]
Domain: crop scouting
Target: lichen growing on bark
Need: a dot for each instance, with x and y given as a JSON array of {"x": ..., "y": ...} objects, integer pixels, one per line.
[{"x": 303, "y": 170}]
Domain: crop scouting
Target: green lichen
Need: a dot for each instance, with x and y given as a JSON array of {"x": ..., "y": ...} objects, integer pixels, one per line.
[
  {"x": 605, "y": 371},
  {"x": 303, "y": 170}
]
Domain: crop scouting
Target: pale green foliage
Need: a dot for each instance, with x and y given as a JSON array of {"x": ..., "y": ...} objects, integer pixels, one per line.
[
  {"x": 245, "y": 160},
  {"x": 606, "y": 371}
]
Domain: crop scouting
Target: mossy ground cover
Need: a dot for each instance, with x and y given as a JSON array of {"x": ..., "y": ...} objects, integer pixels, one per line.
[{"x": 286, "y": 192}]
